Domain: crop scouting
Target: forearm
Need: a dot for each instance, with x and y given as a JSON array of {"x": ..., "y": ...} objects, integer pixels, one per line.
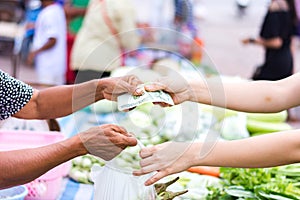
[
  {"x": 274, "y": 43},
  {"x": 48, "y": 45},
  {"x": 22, "y": 166},
  {"x": 60, "y": 101},
  {"x": 261, "y": 151},
  {"x": 53, "y": 102},
  {"x": 72, "y": 12},
  {"x": 252, "y": 96}
]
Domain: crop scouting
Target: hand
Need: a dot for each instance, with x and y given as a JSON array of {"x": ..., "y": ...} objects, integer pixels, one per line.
[
  {"x": 179, "y": 90},
  {"x": 248, "y": 41},
  {"x": 106, "y": 141},
  {"x": 112, "y": 87},
  {"x": 31, "y": 57},
  {"x": 166, "y": 158}
]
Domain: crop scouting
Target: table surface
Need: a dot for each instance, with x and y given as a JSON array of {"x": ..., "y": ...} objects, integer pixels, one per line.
[{"x": 72, "y": 190}]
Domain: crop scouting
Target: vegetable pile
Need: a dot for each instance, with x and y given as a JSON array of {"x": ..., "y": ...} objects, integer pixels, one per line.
[
  {"x": 258, "y": 183},
  {"x": 81, "y": 168},
  {"x": 261, "y": 123}
]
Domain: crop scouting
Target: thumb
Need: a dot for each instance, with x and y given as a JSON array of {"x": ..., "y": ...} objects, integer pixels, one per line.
[
  {"x": 131, "y": 141},
  {"x": 155, "y": 86}
]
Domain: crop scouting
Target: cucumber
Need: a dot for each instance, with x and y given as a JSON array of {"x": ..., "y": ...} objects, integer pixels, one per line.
[
  {"x": 255, "y": 126},
  {"x": 268, "y": 117}
]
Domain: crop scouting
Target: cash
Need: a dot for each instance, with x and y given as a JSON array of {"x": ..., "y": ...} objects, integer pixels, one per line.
[{"x": 128, "y": 101}]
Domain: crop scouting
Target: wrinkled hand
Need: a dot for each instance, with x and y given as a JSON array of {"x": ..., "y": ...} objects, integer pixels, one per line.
[
  {"x": 106, "y": 141},
  {"x": 166, "y": 158},
  {"x": 112, "y": 87},
  {"x": 179, "y": 89}
]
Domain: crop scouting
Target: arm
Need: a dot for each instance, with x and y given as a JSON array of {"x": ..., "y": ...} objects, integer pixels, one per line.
[
  {"x": 273, "y": 40},
  {"x": 273, "y": 43},
  {"x": 63, "y": 100},
  {"x": 254, "y": 152},
  {"x": 22, "y": 166},
  {"x": 72, "y": 12},
  {"x": 48, "y": 45},
  {"x": 250, "y": 96}
]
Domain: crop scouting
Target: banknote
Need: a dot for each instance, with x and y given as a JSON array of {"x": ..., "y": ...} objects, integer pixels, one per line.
[{"x": 127, "y": 101}]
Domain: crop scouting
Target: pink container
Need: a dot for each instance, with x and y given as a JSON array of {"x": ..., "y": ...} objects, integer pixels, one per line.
[{"x": 47, "y": 186}]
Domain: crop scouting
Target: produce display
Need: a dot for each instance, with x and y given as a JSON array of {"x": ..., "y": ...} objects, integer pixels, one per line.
[
  {"x": 81, "y": 168},
  {"x": 264, "y": 183},
  {"x": 260, "y": 123},
  {"x": 163, "y": 194},
  {"x": 154, "y": 125},
  {"x": 195, "y": 185}
]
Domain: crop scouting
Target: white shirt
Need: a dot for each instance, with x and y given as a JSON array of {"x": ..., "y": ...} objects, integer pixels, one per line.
[{"x": 51, "y": 23}]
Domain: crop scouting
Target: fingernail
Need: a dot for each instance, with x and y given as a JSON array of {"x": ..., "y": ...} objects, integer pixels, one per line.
[
  {"x": 138, "y": 91},
  {"x": 149, "y": 87}
]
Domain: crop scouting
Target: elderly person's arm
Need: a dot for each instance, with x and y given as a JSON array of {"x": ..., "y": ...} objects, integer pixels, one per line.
[
  {"x": 63, "y": 100},
  {"x": 18, "y": 99},
  {"x": 22, "y": 166}
]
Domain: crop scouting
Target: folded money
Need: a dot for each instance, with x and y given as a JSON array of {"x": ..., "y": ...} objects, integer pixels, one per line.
[{"x": 128, "y": 101}]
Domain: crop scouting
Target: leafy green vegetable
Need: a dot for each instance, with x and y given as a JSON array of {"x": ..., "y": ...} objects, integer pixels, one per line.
[
  {"x": 240, "y": 192},
  {"x": 258, "y": 183},
  {"x": 248, "y": 178}
]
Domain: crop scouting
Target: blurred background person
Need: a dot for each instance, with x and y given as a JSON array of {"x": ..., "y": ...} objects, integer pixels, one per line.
[
  {"x": 32, "y": 9},
  {"x": 49, "y": 44},
  {"x": 75, "y": 11},
  {"x": 297, "y": 5},
  {"x": 184, "y": 24},
  {"x": 99, "y": 45},
  {"x": 275, "y": 36},
  {"x": 184, "y": 16}
]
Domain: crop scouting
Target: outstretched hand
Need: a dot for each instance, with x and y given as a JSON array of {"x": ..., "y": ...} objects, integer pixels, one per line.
[
  {"x": 166, "y": 158},
  {"x": 178, "y": 89},
  {"x": 112, "y": 87}
]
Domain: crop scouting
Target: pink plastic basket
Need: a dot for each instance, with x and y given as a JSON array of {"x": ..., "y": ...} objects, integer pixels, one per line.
[{"x": 47, "y": 186}]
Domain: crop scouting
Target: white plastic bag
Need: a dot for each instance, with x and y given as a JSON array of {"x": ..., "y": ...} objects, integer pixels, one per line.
[{"x": 115, "y": 181}]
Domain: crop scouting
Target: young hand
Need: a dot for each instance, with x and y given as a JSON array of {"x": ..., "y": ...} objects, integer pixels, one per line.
[
  {"x": 179, "y": 89},
  {"x": 166, "y": 158}
]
